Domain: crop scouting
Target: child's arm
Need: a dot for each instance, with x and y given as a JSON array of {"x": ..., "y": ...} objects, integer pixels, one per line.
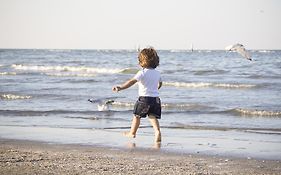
[
  {"x": 126, "y": 85},
  {"x": 159, "y": 84}
]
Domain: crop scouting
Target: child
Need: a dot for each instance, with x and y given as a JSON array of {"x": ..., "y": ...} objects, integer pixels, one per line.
[{"x": 148, "y": 103}]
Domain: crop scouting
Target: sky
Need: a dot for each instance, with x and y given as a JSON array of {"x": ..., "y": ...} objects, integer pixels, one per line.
[{"x": 129, "y": 24}]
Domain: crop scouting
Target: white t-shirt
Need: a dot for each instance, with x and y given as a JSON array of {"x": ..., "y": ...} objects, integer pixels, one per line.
[{"x": 148, "y": 80}]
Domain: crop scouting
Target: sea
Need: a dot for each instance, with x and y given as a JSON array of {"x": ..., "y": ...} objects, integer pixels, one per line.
[{"x": 213, "y": 102}]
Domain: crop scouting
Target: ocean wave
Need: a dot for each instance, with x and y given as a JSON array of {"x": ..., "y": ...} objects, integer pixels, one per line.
[
  {"x": 179, "y": 51},
  {"x": 209, "y": 72},
  {"x": 129, "y": 71},
  {"x": 265, "y": 51},
  {"x": 206, "y": 85},
  {"x": 85, "y": 114},
  {"x": 8, "y": 73},
  {"x": 71, "y": 74},
  {"x": 178, "y": 125},
  {"x": 42, "y": 113},
  {"x": 264, "y": 76},
  {"x": 123, "y": 104},
  {"x": 67, "y": 69},
  {"x": 251, "y": 112},
  {"x": 199, "y": 108},
  {"x": 14, "y": 97},
  {"x": 99, "y": 117},
  {"x": 185, "y": 106},
  {"x": 167, "y": 106}
]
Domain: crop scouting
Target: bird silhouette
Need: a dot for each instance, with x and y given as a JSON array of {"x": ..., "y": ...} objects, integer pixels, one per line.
[{"x": 239, "y": 48}]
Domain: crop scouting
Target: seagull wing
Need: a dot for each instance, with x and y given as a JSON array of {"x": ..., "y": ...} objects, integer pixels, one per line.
[
  {"x": 229, "y": 47},
  {"x": 242, "y": 51},
  {"x": 106, "y": 100},
  {"x": 94, "y": 100},
  {"x": 109, "y": 102}
]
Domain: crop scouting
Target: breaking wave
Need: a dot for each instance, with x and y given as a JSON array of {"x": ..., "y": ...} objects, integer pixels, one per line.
[
  {"x": 71, "y": 74},
  {"x": 205, "y": 85},
  {"x": 83, "y": 69},
  {"x": 8, "y": 73},
  {"x": 185, "y": 106},
  {"x": 251, "y": 112},
  {"x": 193, "y": 107},
  {"x": 129, "y": 71},
  {"x": 123, "y": 104},
  {"x": 168, "y": 106},
  {"x": 14, "y": 97}
]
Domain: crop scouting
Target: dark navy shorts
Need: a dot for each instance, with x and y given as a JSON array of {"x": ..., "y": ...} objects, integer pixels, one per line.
[{"x": 148, "y": 106}]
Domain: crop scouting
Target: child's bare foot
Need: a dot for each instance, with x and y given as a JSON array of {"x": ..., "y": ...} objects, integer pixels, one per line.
[
  {"x": 128, "y": 134},
  {"x": 157, "y": 145},
  {"x": 131, "y": 145}
]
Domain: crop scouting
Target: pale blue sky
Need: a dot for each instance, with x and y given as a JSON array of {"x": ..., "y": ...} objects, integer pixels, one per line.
[{"x": 126, "y": 24}]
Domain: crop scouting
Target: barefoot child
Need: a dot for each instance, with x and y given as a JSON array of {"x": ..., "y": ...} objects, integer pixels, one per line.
[{"x": 148, "y": 103}]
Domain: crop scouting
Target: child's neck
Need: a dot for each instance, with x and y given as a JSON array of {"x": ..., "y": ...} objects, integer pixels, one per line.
[{"x": 148, "y": 68}]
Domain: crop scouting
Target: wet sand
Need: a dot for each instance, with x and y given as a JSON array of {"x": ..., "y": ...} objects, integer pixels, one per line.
[{"x": 28, "y": 157}]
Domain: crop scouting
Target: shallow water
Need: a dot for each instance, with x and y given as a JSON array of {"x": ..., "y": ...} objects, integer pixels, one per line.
[{"x": 213, "y": 101}]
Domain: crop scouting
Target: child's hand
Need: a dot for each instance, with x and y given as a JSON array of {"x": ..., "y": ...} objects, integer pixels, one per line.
[{"x": 116, "y": 89}]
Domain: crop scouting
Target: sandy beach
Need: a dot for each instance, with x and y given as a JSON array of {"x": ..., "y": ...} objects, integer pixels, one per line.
[{"x": 27, "y": 157}]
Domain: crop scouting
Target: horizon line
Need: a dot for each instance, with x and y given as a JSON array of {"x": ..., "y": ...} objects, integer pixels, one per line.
[{"x": 124, "y": 49}]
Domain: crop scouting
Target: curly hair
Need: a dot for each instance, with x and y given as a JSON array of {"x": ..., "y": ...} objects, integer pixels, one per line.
[{"x": 148, "y": 58}]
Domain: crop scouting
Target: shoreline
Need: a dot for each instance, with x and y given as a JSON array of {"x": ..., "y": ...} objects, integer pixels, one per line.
[
  {"x": 33, "y": 157},
  {"x": 211, "y": 143}
]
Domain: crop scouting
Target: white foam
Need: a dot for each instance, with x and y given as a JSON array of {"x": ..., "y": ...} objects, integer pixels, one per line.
[
  {"x": 183, "y": 106},
  {"x": 38, "y": 68},
  {"x": 258, "y": 112},
  {"x": 204, "y": 85},
  {"x": 103, "y": 107},
  {"x": 129, "y": 71},
  {"x": 179, "y": 51},
  {"x": 180, "y": 106},
  {"x": 13, "y": 97},
  {"x": 70, "y": 75},
  {"x": 123, "y": 104},
  {"x": 264, "y": 51},
  {"x": 8, "y": 73}
]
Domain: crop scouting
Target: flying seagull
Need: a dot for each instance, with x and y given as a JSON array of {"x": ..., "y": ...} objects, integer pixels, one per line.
[
  {"x": 240, "y": 49},
  {"x": 103, "y": 104}
]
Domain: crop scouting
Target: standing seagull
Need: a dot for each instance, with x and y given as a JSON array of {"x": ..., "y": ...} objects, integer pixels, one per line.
[{"x": 240, "y": 49}]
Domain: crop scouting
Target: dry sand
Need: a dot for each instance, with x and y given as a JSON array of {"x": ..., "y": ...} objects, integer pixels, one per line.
[{"x": 26, "y": 157}]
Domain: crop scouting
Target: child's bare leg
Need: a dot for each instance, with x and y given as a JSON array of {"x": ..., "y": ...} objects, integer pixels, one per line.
[
  {"x": 155, "y": 124},
  {"x": 134, "y": 127}
]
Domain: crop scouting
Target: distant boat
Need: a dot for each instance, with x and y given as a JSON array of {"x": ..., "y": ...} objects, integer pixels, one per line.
[
  {"x": 137, "y": 48},
  {"x": 191, "y": 47}
]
